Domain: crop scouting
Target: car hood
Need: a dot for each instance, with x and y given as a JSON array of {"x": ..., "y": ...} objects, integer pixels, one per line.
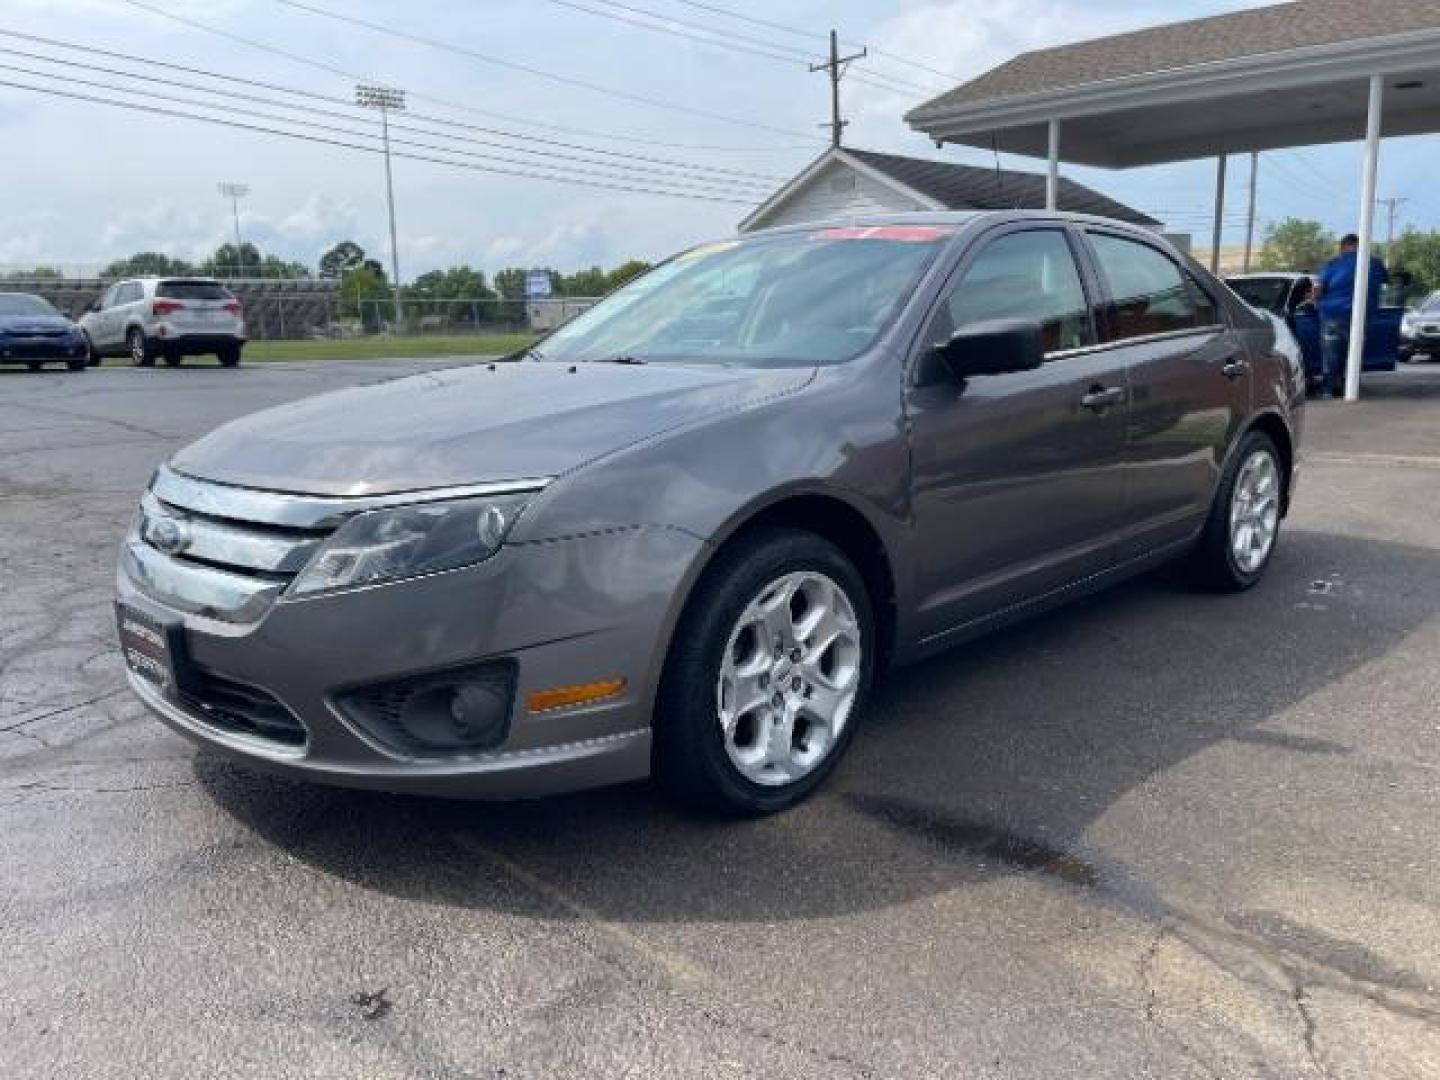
[
  {"x": 503, "y": 421},
  {"x": 33, "y": 324}
]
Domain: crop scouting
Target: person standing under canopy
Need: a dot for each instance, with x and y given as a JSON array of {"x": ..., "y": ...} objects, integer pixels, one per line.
[{"x": 1337, "y": 305}]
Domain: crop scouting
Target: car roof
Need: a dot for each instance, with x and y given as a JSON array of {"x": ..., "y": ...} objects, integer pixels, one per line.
[{"x": 948, "y": 217}]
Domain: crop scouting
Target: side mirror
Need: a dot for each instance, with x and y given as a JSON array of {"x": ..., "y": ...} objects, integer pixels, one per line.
[
  {"x": 998, "y": 347},
  {"x": 94, "y": 307}
]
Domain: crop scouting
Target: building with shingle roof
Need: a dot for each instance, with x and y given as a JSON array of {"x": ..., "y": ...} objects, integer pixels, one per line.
[{"x": 844, "y": 182}]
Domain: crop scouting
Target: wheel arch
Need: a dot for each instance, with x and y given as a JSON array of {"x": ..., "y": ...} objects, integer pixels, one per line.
[
  {"x": 831, "y": 516},
  {"x": 1273, "y": 425}
]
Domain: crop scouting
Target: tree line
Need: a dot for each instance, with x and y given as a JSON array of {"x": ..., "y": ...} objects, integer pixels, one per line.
[{"x": 1305, "y": 245}]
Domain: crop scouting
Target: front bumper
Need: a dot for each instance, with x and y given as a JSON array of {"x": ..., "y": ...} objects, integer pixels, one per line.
[
  {"x": 564, "y": 612},
  {"x": 45, "y": 348}
]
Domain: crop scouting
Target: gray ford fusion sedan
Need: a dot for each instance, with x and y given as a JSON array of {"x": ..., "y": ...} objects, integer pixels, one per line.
[{"x": 683, "y": 535}]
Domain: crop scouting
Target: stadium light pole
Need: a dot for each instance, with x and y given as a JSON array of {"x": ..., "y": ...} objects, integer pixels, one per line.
[
  {"x": 386, "y": 99},
  {"x": 235, "y": 192}
]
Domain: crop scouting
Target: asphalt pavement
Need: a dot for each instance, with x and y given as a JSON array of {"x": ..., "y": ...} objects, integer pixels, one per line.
[{"x": 1156, "y": 834}]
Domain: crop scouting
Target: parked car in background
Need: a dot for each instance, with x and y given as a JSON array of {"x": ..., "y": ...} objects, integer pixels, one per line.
[
  {"x": 682, "y": 535},
  {"x": 1289, "y": 296},
  {"x": 34, "y": 333},
  {"x": 1420, "y": 330},
  {"x": 169, "y": 318}
]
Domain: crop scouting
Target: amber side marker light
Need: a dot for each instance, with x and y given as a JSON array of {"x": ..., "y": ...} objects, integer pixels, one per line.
[{"x": 565, "y": 697}]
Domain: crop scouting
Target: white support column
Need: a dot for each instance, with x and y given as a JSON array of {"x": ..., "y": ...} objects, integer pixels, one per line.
[
  {"x": 1052, "y": 176},
  {"x": 1361, "y": 310},
  {"x": 1219, "y": 214}
]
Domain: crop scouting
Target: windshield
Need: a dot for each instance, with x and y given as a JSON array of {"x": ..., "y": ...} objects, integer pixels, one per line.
[
  {"x": 798, "y": 299},
  {"x": 1430, "y": 303},
  {"x": 1266, "y": 293},
  {"x": 22, "y": 305}
]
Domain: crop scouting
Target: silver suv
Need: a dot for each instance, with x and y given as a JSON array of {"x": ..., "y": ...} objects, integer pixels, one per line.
[{"x": 171, "y": 318}]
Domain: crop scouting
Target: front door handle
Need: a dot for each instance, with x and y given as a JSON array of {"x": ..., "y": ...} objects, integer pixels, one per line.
[
  {"x": 1100, "y": 397},
  {"x": 1235, "y": 368}
]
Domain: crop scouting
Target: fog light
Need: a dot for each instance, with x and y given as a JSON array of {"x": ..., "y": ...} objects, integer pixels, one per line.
[{"x": 450, "y": 713}]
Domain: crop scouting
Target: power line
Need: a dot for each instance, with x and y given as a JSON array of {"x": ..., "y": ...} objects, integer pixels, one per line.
[
  {"x": 352, "y": 77},
  {"x": 330, "y": 99},
  {"x": 157, "y": 110},
  {"x": 485, "y": 58},
  {"x": 681, "y": 186},
  {"x": 739, "y": 44},
  {"x": 686, "y": 174},
  {"x": 716, "y": 9},
  {"x": 665, "y": 24}
]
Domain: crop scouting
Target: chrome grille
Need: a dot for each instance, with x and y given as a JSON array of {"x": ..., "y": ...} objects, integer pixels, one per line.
[
  {"x": 220, "y": 551},
  {"x": 228, "y": 552}
]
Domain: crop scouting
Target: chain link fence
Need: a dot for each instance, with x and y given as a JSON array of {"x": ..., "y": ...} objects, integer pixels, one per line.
[{"x": 303, "y": 309}]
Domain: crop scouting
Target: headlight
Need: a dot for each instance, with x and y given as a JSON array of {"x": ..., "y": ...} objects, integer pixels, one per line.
[{"x": 407, "y": 541}]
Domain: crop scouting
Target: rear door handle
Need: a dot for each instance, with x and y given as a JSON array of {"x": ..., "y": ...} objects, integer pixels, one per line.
[
  {"x": 1100, "y": 397},
  {"x": 1235, "y": 368}
]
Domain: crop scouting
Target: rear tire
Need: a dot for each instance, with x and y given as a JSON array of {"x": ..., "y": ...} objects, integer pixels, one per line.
[
  {"x": 229, "y": 356},
  {"x": 78, "y": 363},
  {"x": 767, "y": 675},
  {"x": 142, "y": 353},
  {"x": 34, "y": 365},
  {"x": 1243, "y": 528},
  {"x": 172, "y": 357}
]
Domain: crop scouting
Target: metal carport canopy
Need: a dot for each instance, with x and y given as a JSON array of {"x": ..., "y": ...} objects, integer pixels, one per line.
[{"x": 1296, "y": 74}]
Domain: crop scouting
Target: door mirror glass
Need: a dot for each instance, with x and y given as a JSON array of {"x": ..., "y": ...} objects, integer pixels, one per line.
[{"x": 996, "y": 347}]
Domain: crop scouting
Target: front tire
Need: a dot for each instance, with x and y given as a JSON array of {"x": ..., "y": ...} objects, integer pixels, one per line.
[
  {"x": 1243, "y": 528},
  {"x": 92, "y": 354},
  {"x": 767, "y": 675},
  {"x": 142, "y": 353}
]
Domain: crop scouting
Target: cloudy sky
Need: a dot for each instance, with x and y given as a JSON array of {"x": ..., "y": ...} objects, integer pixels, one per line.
[{"x": 84, "y": 182}]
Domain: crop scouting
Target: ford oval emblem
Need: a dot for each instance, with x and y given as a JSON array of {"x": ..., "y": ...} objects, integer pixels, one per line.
[{"x": 168, "y": 535}]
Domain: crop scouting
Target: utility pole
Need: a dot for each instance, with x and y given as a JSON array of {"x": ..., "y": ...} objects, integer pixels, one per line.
[
  {"x": 235, "y": 192},
  {"x": 1250, "y": 212},
  {"x": 1391, "y": 205},
  {"x": 386, "y": 99},
  {"x": 836, "y": 68}
]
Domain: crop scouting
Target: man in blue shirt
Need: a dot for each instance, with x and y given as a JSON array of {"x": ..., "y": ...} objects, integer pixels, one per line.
[{"x": 1337, "y": 304}]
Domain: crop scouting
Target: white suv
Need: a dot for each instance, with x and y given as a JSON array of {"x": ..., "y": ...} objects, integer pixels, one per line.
[{"x": 171, "y": 318}]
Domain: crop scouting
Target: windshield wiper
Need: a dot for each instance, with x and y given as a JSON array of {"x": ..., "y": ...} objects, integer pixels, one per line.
[{"x": 624, "y": 359}]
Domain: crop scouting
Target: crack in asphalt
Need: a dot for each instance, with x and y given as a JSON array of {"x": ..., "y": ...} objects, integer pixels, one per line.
[
  {"x": 19, "y": 726},
  {"x": 1311, "y": 1028}
]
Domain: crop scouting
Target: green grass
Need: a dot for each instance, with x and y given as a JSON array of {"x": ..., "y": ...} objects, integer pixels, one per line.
[{"x": 383, "y": 348}]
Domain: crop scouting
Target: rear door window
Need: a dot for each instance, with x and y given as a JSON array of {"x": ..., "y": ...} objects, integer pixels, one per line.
[{"x": 1149, "y": 292}]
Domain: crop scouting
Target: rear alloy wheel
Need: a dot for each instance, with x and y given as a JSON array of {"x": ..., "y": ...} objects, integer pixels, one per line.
[
  {"x": 767, "y": 675},
  {"x": 1244, "y": 524},
  {"x": 141, "y": 354}
]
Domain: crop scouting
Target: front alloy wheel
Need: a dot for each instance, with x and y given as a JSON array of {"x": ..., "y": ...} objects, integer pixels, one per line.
[
  {"x": 767, "y": 674},
  {"x": 141, "y": 355},
  {"x": 789, "y": 678}
]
